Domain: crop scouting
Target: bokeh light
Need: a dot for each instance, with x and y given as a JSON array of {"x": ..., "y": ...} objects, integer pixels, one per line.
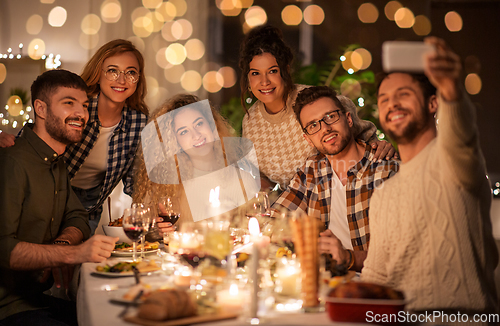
[
  {"x": 404, "y": 18},
  {"x": 140, "y": 12},
  {"x": 173, "y": 74},
  {"x": 453, "y": 21},
  {"x": 473, "y": 84},
  {"x": 422, "y": 26},
  {"x": 161, "y": 58},
  {"x": 347, "y": 63},
  {"x": 91, "y": 24},
  {"x": 364, "y": 55},
  {"x": 472, "y": 64},
  {"x": 3, "y": 73},
  {"x": 152, "y": 85},
  {"x": 350, "y": 88},
  {"x": 229, "y": 76},
  {"x": 390, "y": 9},
  {"x": 208, "y": 66},
  {"x": 143, "y": 24},
  {"x": 138, "y": 42},
  {"x": 195, "y": 49},
  {"x": 111, "y": 11},
  {"x": 88, "y": 42},
  {"x": 182, "y": 29},
  {"x": 291, "y": 15},
  {"x": 15, "y": 105},
  {"x": 180, "y": 6},
  {"x": 151, "y": 4},
  {"x": 166, "y": 32},
  {"x": 255, "y": 16},
  {"x": 57, "y": 16},
  {"x": 34, "y": 24},
  {"x": 191, "y": 80},
  {"x": 368, "y": 13},
  {"x": 36, "y": 49},
  {"x": 175, "y": 53},
  {"x": 230, "y": 7},
  {"x": 167, "y": 10},
  {"x": 213, "y": 81},
  {"x": 314, "y": 15},
  {"x": 246, "y": 3},
  {"x": 47, "y": 1}
]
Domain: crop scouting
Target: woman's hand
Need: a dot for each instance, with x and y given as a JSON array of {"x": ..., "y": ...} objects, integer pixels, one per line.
[{"x": 384, "y": 149}]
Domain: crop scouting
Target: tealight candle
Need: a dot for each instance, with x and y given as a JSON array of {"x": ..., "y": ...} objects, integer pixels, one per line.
[
  {"x": 231, "y": 300},
  {"x": 182, "y": 277}
]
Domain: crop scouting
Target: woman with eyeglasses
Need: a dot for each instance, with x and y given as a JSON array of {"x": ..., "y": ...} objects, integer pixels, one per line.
[
  {"x": 265, "y": 62},
  {"x": 117, "y": 114}
]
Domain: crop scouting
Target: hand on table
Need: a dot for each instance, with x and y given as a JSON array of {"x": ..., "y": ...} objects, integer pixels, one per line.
[
  {"x": 384, "y": 150},
  {"x": 328, "y": 243},
  {"x": 96, "y": 249}
]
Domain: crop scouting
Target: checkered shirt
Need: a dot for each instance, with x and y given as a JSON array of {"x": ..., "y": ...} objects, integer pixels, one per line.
[
  {"x": 121, "y": 151},
  {"x": 309, "y": 192}
]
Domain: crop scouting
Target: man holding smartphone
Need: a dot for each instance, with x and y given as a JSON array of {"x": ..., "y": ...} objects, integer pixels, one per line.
[{"x": 431, "y": 233}]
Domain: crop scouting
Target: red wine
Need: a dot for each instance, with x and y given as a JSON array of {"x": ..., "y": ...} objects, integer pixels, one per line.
[
  {"x": 193, "y": 259},
  {"x": 134, "y": 233},
  {"x": 172, "y": 217}
]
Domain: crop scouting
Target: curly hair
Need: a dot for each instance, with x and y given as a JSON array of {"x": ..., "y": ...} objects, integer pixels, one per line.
[
  {"x": 93, "y": 70},
  {"x": 265, "y": 39},
  {"x": 150, "y": 192}
]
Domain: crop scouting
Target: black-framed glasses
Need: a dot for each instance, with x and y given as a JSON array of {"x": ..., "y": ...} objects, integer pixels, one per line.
[
  {"x": 315, "y": 126},
  {"x": 113, "y": 74}
]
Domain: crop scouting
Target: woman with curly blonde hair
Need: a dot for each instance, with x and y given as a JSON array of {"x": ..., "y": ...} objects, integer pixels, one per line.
[{"x": 194, "y": 145}]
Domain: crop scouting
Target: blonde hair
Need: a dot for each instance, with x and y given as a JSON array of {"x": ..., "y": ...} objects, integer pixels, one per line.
[
  {"x": 150, "y": 192},
  {"x": 93, "y": 70}
]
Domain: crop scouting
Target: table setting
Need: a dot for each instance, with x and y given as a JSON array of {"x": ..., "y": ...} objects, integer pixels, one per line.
[{"x": 262, "y": 267}]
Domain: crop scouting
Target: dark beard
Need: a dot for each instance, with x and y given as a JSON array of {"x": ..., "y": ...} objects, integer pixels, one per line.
[
  {"x": 56, "y": 129},
  {"x": 412, "y": 129},
  {"x": 344, "y": 141}
]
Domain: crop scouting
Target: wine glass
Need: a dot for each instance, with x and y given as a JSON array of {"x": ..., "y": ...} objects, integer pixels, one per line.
[
  {"x": 190, "y": 244},
  {"x": 169, "y": 209},
  {"x": 133, "y": 226},
  {"x": 259, "y": 207}
]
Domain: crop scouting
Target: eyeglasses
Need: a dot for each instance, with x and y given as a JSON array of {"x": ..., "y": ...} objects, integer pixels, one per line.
[
  {"x": 315, "y": 126},
  {"x": 113, "y": 74}
]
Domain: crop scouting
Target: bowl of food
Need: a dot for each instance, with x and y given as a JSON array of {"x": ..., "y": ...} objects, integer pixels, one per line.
[
  {"x": 116, "y": 231},
  {"x": 359, "y": 302}
]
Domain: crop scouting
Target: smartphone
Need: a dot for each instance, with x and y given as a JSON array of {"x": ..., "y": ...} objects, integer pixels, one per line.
[{"x": 404, "y": 56}]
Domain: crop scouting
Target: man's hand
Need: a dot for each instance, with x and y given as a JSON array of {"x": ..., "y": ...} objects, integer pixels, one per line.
[
  {"x": 443, "y": 69},
  {"x": 6, "y": 140},
  {"x": 328, "y": 243},
  {"x": 384, "y": 149},
  {"x": 62, "y": 275},
  {"x": 96, "y": 249}
]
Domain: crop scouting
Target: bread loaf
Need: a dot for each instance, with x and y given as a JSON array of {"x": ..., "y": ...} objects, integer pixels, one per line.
[{"x": 167, "y": 304}]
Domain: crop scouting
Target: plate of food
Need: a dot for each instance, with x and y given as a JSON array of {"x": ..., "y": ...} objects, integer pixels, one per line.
[
  {"x": 124, "y": 249},
  {"x": 124, "y": 268}
]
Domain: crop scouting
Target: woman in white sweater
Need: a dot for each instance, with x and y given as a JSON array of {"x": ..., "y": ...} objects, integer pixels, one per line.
[{"x": 270, "y": 123}]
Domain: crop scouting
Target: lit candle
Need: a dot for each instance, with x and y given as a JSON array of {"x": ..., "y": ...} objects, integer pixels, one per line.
[
  {"x": 288, "y": 280},
  {"x": 260, "y": 241},
  {"x": 214, "y": 201},
  {"x": 189, "y": 241},
  {"x": 231, "y": 300},
  {"x": 182, "y": 277}
]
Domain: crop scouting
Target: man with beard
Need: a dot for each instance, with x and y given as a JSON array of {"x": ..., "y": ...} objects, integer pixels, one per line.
[
  {"x": 335, "y": 185},
  {"x": 42, "y": 222},
  {"x": 431, "y": 229}
]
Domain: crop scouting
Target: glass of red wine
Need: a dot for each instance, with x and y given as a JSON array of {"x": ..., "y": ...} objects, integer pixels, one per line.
[
  {"x": 134, "y": 226},
  {"x": 169, "y": 209}
]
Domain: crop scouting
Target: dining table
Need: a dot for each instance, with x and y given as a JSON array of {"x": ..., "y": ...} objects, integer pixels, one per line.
[{"x": 98, "y": 303}]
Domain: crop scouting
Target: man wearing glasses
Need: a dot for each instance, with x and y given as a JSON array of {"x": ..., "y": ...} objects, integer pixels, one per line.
[{"x": 336, "y": 184}]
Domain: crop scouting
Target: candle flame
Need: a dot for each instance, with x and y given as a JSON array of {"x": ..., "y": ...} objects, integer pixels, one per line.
[
  {"x": 253, "y": 226},
  {"x": 214, "y": 197},
  {"x": 233, "y": 290}
]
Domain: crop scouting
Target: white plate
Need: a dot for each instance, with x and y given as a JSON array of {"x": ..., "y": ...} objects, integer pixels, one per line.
[{"x": 126, "y": 253}]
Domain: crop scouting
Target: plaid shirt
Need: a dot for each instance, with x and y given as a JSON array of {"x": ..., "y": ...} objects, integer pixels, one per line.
[
  {"x": 121, "y": 151},
  {"x": 309, "y": 192}
]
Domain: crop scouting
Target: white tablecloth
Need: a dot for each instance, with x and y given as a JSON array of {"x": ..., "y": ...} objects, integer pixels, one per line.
[{"x": 95, "y": 309}]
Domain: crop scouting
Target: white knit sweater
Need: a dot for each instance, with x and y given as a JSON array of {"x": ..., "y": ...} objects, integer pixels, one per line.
[{"x": 430, "y": 226}]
